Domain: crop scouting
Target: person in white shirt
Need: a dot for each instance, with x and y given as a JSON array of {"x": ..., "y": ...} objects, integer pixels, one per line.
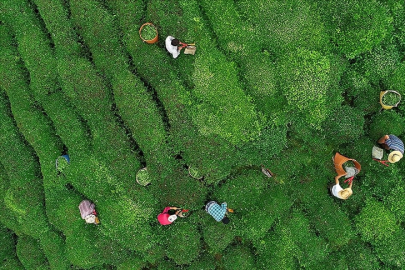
[
  {"x": 172, "y": 46},
  {"x": 339, "y": 192}
]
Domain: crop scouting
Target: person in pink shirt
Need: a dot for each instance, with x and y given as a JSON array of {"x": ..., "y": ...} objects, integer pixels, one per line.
[{"x": 166, "y": 218}]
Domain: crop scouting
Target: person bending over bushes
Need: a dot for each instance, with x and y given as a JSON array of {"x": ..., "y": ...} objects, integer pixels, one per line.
[
  {"x": 339, "y": 192},
  {"x": 218, "y": 212},
  {"x": 169, "y": 215},
  {"x": 174, "y": 46},
  {"x": 88, "y": 212},
  {"x": 393, "y": 144},
  {"x": 351, "y": 169}
]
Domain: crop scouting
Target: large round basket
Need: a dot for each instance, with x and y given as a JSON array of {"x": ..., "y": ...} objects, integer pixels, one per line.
[
  {"x": 142, "y": 177},
  {"x": 389, "y": 106},
  {"x": 194, "y": 173},
  {"x": 150, "y": 41}
]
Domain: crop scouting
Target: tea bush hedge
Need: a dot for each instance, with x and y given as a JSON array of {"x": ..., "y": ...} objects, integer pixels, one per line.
[
  {"x": 30, "y": 253},
  {"x": 279, "y": 84},
  {"x": 356, "y": 27}
]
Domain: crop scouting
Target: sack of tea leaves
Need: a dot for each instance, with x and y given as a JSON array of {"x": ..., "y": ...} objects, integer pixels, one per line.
[
  {"x": 377, "y": 152},
  {"x": 190, "y": 50}
]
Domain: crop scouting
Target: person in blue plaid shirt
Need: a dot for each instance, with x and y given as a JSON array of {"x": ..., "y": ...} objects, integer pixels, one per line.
[
  {"x": 218, "y": 212},
  {"x": 393, "y": 144}
]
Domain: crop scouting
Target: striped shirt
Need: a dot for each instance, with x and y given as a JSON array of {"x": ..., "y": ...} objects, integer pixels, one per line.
[
  {"x": 395, "y": 143},
  {"x": 215, "y": 210}
]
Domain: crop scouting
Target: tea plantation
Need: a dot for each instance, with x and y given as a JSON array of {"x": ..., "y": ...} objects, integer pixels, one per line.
[{"x": 280, "y": 83}]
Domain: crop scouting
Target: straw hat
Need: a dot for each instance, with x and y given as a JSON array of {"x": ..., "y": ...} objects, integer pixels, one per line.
[
  {"x": 90, "y": 219},
  {"x": 345, "y": 193},
  {"x": 394, "y": 156}
]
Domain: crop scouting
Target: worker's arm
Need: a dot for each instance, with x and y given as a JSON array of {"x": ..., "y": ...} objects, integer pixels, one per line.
[
  {"x": 337, "y": 179},
  {"x": 351, "y": 184},
  {"x": 383, "y": 139},
  {"x": 174, "y": 208}
]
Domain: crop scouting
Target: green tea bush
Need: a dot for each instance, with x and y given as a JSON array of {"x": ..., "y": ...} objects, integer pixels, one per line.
[
  {"x": 364, "y": 256},
  {"x": 238, "y": 257},
  {"x": 394, "y": 200},
  {"x": 305, "y": 135},
  {"x": 386, "y": 122},
  {"x": 391, "y": 251},
  {"x": 7, "y": 218},
  {"x": 368, "y": 101},
  {"x": 380, "y": 63},
  {"x": 396, "y": 81},
  {"x": 53, "y": 246},
  {"x": 375, "y": 223},
  {"x": 241, "y": 191},
  {"x": 257, "y": 220},
  {"x": 275, "y": 250},
  {"x": 216, "y": 234},
  {"x": 204, "y": 262},
  {"x": 130, "y": 217},
  {"x": 286, "y": 84},
  {"x": 93, "y": 100},
  {"x": 25, "y": 195},
  {"x": 12, "y": 264},
  {"x": 182, "y": 242},
  {"x": 33, "y": 124},
  {"x": 356, "y": 27},
  {"x": 286, "y": 26},
  {"x": 375, "y": 185},
  {"x": 234, "y": 34},
  {"x": 223, "y": 108},
  {"x": 133, "y": 263},
  {"x": 43, "y": 74},
  {"x": 110, "y": 59},
  {"x": 7, "y": 241},
  {"x": 344, "y": 124},
  {"x": 260, "y": 74},
  {"x": 329, "y": 220},
  {"x": 311, "y": 249},
  {"x": 304, "y": 77},
  {"x": 270, "y": 142},
  {"x": 378, "y": 225},
  {"x": 397, "y": 11},
  {"x": 30, "y": 253}
]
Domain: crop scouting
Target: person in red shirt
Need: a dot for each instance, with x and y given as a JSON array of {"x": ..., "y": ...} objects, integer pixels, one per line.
[{"x": 165, "y": 218}]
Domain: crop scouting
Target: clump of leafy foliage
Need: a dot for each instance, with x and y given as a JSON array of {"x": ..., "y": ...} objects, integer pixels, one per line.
[{"x": 279, "y": 84}]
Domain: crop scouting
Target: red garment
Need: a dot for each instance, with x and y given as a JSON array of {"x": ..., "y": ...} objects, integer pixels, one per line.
[{"x": 164, "y": 216}]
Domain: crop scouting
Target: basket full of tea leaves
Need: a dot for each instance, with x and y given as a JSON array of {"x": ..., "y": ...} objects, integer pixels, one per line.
[
  {"x": 142, "y": 177},
  {"x": 148, "y": 33},
  {"x": 390, "y": 99}
]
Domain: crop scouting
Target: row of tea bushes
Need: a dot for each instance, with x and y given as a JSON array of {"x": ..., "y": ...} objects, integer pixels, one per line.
[
  {"x": 42, "y": 68},
  {"x": 8, "y": 256},
  {"x": 219, "y": 105},
  {"x": 89, "y": 94},
  {"x": 25, "y": 195},
  {"x": 137, "y": 108},
  {"x": 37, "y": 130},
  {"x": 24, "y": 198},
  {"x": 287, "y": 25},
  {"x": 86, "y": 183},
  {"x": 378, "y": 226},
  {"x": 345, "y": 23},
  {"x": 153, "y": 65}
]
